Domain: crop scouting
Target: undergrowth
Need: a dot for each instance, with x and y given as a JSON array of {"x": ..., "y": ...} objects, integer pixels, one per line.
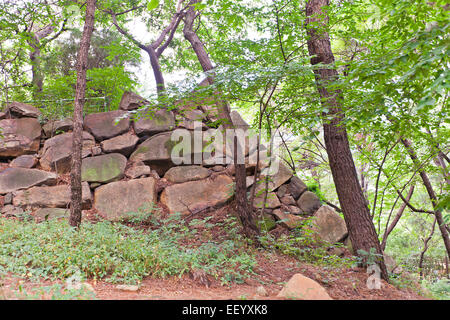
[
  {"x": 301, "y": 244},
  {"x": 120, "y": 253}
]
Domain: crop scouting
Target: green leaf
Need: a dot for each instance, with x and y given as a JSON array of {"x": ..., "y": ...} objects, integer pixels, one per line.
[{"x": 152, "y": 4}]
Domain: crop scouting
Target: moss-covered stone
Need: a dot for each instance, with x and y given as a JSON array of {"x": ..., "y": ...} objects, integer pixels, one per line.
[{"x": 104, "y": 168}]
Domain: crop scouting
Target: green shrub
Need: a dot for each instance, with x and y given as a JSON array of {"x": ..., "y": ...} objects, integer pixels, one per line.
[{"x": 116, "y": 252}]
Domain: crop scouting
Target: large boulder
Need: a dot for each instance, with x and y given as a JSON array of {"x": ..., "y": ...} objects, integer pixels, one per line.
[
  {"x": 286, "y": 219},
  {"x": 22, "y": 110},
  {"x": 328, "y": 225},
  {"x": 19, "y": 136},
  {"x": 54, "y": 127},
  {"x": 160, "y": 121},
  {"x": 116, "y": 199},
  {"x": 103, "y": 169},
  {"x": 237, "y": 121},
  {"x": 303, "y": 288},
  {"x": 194, "y": 196},
  {"x": 276, "y": 176},
  {"x": 186, "y": 173},
  {"x": 272, "y": 200},
  {"x": 13, "y": 179},
  {"x": 57, "y": 151},
  {"x": 123, "y": 144},
  {"x": 103, "y": 125},
  {"x": 156, "y": 152},
  {"x": 25, "y": 161},
  {"x": 51, "y": 213},
  {"x": 296, "y": 187},
  {"x": 50, "y": 197},
  {"x": 136, "y": 171},
  {"x": 308, "y": 202},
  {"x": 131, "y": 101}
]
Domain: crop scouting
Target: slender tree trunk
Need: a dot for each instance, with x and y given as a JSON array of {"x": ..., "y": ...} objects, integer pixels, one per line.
[
  {"x": 396, "y": 219},
  {"x": 425, "y": 248},
  {"x": 243, "y": 209},
  {"x": 37, "y": 78},
  {"x": 75, "y": 174},
  {"x": 356, "y": 212},
  {"x": 159, "y": 78},
  {"x": 434, "y": 201}
]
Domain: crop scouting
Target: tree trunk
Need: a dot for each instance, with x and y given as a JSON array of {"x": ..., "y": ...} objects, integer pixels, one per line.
[
  {"x": 356, "y": 212},
  {"x": 75, "y": 174},
  {"x": 243, "y": 209},
  {"x": 159, "y": 78},
  {"x": 396, "y": 219},
  {"x": 434, "y": 201},
  {"x": 37, "y": 78}
]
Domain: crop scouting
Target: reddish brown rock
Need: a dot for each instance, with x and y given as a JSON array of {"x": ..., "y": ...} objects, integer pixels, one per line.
[
  {"x": 194, "y": 196},
  {"x": 104, "y": 125},
  {"x": 114, "y": 200},
  {"x": 303, "y": 288},
  {"x": 57, "y": 152},
  {"x": 19, "y": 136},
  {"x": 22, "y": 110}
]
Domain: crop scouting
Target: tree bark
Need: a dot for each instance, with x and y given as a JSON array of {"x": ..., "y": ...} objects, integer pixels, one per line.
[
  {"x": 431, "y": 194},
  {"x": 80, "y": 93},
  {"x": 243, "y": 208},
  {"x": 351, "y": 198}
]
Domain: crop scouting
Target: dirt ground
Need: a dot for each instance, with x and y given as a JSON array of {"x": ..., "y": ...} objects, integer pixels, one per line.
[{"x": 272, "y": 272}]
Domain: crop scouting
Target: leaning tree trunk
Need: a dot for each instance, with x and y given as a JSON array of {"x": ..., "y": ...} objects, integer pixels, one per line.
[
  {"x": 351, "y": 198},
  {"x": 80, "y": 93},
  {"x": 431, "y": 194},
  {"x": 243, "y": 208}
]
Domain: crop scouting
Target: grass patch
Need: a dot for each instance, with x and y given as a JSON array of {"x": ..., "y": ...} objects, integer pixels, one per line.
[{"x": 118, "y": 253}]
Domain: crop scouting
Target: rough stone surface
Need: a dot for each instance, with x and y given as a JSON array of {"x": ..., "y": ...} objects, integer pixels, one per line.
[
  {"x": 294, "y": 210},
  {"x": 328, "y": 225},
  {"x": 286, "y": 219},
  {"x": 51, "y": 213},
  {"x": 190, "y": 118},
  {"x": 308, "y": 202},
  {"x": 10, "y": 210},
  {"x": 301, "y": 287},
  {"x": 194, "y": 196},
  {"x": 155, "y": 152},
  {"x": 272, "y": 201},
  {"x": 7, "y": 199},
  {"x": 127, "y": 287},
  {"x": 123, "y": 144},
  {"x": 116, "y": 199},
  {"x": 57, "y": 126},
  {"x": 103, "y": 169},
  {"x": 261, "y": 291},
  {"x": 296, "y": 187},
  {"x": 186, "y": 173},
  {"x": 131, "y": 101},
  {"x": 288, "y": 200},
  {"x": 103, "y": 125},
  {"x": 237, "y": 121},
  {"x": 159, "y": 121},
  {"x": 57, "y": 151},
  {"x": 22, "y": 110},
  {"x": 50, "y": 197},
  {"x": 13, "y": 179},
  {"x": 277, "y": 177},
  {"x": 19, "y": 136},
  {"x": 24, "y": 161},
  {"x": 136, "y": 171}
]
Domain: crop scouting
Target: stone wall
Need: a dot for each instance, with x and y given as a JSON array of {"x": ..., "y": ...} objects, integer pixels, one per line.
[{"x": 127, "y": 165}]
